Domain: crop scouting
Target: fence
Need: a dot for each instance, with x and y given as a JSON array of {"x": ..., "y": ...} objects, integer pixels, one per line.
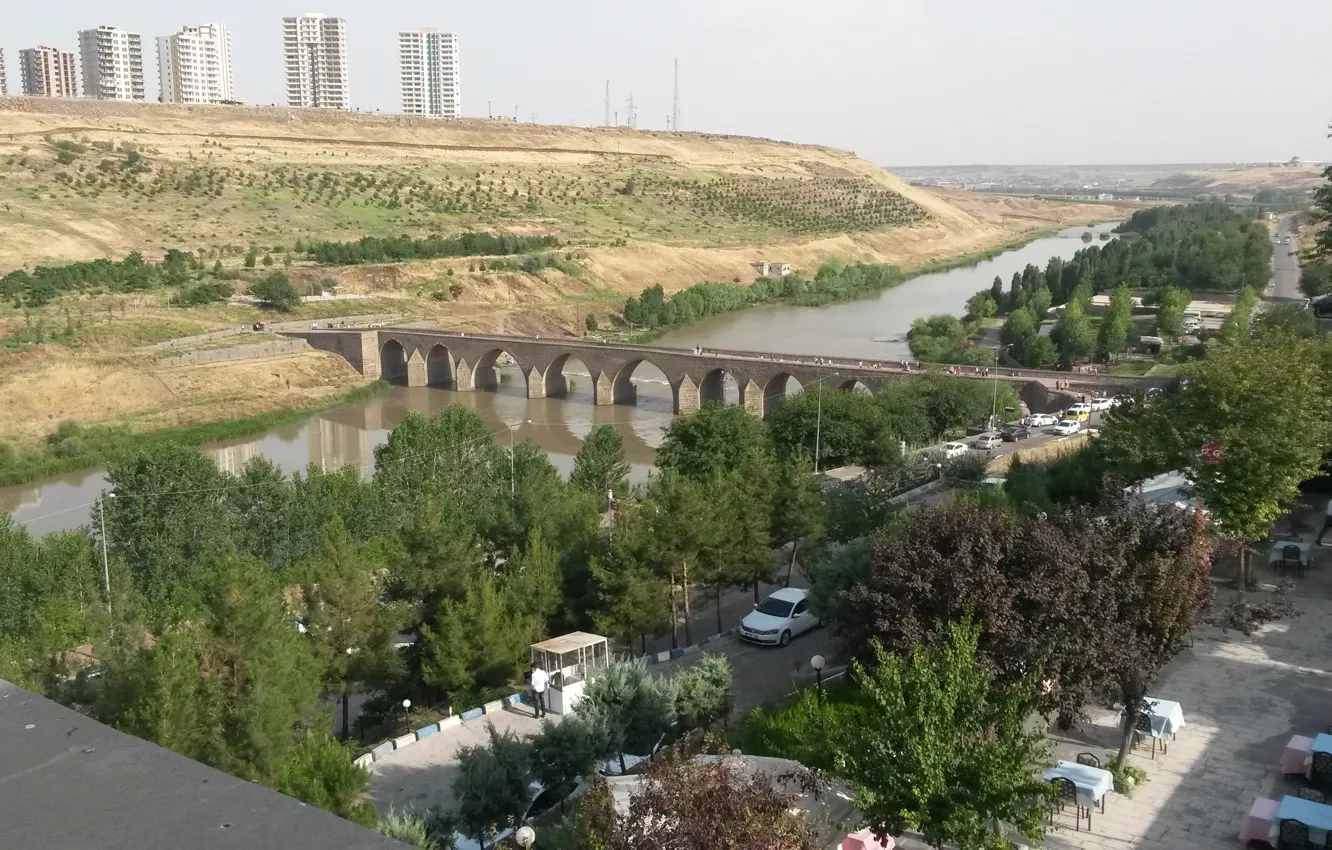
[{"x": 239, "y": 352}]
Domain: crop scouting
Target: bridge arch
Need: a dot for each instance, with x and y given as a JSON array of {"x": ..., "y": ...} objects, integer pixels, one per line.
[
  {"x": 484, "y": 375},
  {"x": 855, "y": 385},
  {"x": 623, "y": 390},
  {"x": 557, "y": 383},
  {"x": 775, "y": 391},
  {"x": 393, "y": 362},
  {"x": 440, "y": 367},
  {"x": 718, "y": 386}
]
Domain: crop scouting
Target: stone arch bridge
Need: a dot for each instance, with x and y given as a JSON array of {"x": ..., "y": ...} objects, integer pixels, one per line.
[{"x": 465, "y": 362}]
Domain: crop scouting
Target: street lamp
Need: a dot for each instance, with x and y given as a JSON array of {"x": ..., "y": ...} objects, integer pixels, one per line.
[
  {"x": 817, "y": 663},
  {"x": 513, "y": 487},
  {"x": 406, "y": 707},
  {"x": 106, "y": 570},
  {"x": 525, "y": 836}
]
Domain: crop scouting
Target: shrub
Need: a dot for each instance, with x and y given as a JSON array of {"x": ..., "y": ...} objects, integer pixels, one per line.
[
  {"x": 277, "y": 290},
  {"x": 69, "y": 447}
]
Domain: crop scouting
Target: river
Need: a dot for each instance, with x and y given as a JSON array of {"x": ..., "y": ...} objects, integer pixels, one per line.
[{"x": 871, "y": 327}]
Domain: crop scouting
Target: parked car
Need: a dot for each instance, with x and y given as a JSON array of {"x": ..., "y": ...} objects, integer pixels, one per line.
[
  {"x": 1015, "y": 433},
  {"x": 780, "y": 617},
  {"x": 1068, "y": 427},
  {"x": 952, "y": 450},
  {"x": 1102, "y": 403},
  {"x": 1078, "y": 411},
  {"x": 1121, "y": 399},
  {"x": 985, "y": 442},
  {"x": 1154, "y": 392},
  {"x": 1040, "y": 420}
]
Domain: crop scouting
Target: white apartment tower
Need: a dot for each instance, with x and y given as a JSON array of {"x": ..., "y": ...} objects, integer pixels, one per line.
[
  {"x": 428, "y": 60},
  {"x": 194, "y": 65},
  {"x": 47, "y": 72},
  {"x": 315, "y": 50},
  {"x": 4, "y": 84},
  {"x": 112, "y": 60}
]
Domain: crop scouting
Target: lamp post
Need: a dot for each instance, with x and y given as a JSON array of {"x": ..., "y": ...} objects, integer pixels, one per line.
[
  {"x": 106, "y": 569},
  {"x": 817, "y": 663},
  {"x": 406, "y": 707},
  {"x": 525, "y": 836},
  {"x": 513, "y": 486}
]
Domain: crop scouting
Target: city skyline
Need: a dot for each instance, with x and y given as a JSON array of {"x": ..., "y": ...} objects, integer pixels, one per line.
[{"x": 902, "y": 84}]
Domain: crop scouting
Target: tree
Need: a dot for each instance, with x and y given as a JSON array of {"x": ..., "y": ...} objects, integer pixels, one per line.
[
  {"x": 493, "y": 784},
  {"x": 681, "y": 523},
  {"x": 1322, "y": 212},
  {"x": 1316, "y": 278},
  {"x": 1170, "y": 318},
  {"x": 703, "y": 692},
  {"x": 476, "y": 645},
  {"x": 1237, "y": 324},
  {"x": 320, "y": 771},
  {"x": 637, "y": 707},
  {"x": 950, "y": 779},
  {"x": 1040, "y": 303},
  {"x": 686, "y": 804},
  {"x": 351, "y": 631},
  {"x": 1117, "y": 323},
  {"x": 981, "y": 305},
  {"x": 250, "y": 257},
  {"x": 277, "y": 290},
  {"x": 600, "y": 464},
  {"x": 591, "y": 323},
  {"x": 564, "y": 752},
  {"x": 719, "y": 438},
  {"x": 798, "y": 511},
  {"x": 1073, "y": 334},
  {"x": 1249, "y": 446},
  {"x": 938, "y": 339}
]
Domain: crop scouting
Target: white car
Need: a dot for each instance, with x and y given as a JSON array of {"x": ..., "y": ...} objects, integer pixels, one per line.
[
  {"x": 780, "y": 617},
  {"x": 952, "y": 450},
  {"x": 1040, "y": 420},
  {"x": 1102, "y": 403},
  {"x": 1068, "y": 427}
]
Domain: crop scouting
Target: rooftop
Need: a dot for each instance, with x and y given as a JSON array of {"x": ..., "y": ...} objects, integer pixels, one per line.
[
  {"x": 73, "y": 783},
  {"x": 571, "y": 642}
]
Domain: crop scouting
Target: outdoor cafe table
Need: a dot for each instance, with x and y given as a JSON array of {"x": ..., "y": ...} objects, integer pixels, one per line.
[
  {"x": 1275, "y": 555},
  {"x": 1296, "y": 757},
  {"x": 1166, "y": 715},
  {"x": 1316, "y": 816},
  {"x": 1322, "y": 743},
  {"x": 1091, "y": 782}
]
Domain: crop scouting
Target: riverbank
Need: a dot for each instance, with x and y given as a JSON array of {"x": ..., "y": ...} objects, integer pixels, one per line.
[
  {"x": 74, "y": 447},
  {"x": 820, "y": 299}
]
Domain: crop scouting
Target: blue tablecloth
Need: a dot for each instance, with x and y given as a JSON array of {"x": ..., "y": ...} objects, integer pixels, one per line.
[
  {"x": 1322, "y": 743},
  {"x": 1091, "y": 782},
  {"x": 1316, "y": 816},
  {"x": 1166, "y": 715}
]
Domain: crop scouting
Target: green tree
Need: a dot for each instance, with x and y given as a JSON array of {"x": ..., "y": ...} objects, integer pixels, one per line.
[
  {"x": 1322, "y": 212},
  {"x": 638, "y": 707},
  {"x": 1073, "y": 334},
  {"x": 564, "y": 752},
  {"x": 1316, "y": 278},
  {"x": 492, "y": 785},
  {"x": 1170, "y": 318},
  {"x": 1249, "y": 447},
  {"x": 681, "y": 524},
  {"x": 703, "y": 692},
  {"x": 1236, "y": 326},
  {"x": 600, "y": 464},
  {"x": 981, "y": 305},
  {"x": 320, "y": 771},
  {"x": 251, "y": 257},
  {"x": 799, "y": 514},
  {"x": 351, "y": 632},
  {"x": 949, "y": 780},
  {"x": 476, "y": 646},
  {"x": 1117, "y": 323},
  {"x": 277, "y": 290},
  {"x": 591, "y": 323},
  {"x": 1040, "y": 303},
  {"x": 718, "y": 439},
  {"x": 938, "y": 339}
]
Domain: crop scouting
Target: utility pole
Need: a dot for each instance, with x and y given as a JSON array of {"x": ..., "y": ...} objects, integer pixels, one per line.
[
  {"x": 818, "y": 428},
  {"x": 675, "y": 105},
  {"x": 607, "y": 122}
]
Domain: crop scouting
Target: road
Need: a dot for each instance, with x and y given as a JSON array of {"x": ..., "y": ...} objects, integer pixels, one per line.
[{"x": 1285, "y": 264}]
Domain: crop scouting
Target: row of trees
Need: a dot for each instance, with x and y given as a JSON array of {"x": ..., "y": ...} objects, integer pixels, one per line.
[
  {"x": 834, "y": 282},
  {"x": 375, "y": 249},
  {"x": 45, "y": 283}
]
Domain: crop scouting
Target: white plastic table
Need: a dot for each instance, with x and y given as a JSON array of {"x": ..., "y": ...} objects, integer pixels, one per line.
[{"x": 1092, "y": 782}]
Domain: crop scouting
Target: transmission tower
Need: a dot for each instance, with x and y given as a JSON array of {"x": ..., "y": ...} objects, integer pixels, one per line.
[
  {"x": 607, "y": 122},
  {"x": 631, "y": 114},
  {"x": 675, "y": 104}
]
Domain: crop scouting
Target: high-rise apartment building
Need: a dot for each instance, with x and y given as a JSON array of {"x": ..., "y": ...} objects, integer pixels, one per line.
[
  {"x": 428, "y": 61},
  {"x": 315, "y": 51},
  {"x": 194, "y": 65},
  {"x": 4, "y": 83},
  {"x": 112, "y": 60},
  {"x": 48, "y": 72}
]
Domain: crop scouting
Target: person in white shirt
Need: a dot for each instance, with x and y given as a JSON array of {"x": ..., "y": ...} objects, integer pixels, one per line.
[
  {"x": 539, "y": 682},
  {"x": 1327, "y": 524}
]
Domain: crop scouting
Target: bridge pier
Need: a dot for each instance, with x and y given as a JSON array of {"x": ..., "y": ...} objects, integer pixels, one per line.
[
  {"x": 370, "y": 366},
  {"x": 604, "y": 389},
  {"x": 536, "y": 384},
  {"x": 417, "y": 375},
  {"x": 752, "y": 398},
  {"x": 686, "y": 396},
  {"x": 464, "y": 377}
]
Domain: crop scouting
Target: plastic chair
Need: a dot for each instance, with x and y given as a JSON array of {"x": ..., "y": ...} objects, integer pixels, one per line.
[
  {"x": 1291, "y": 559},
  {"x": 1312, "y": 794},
  {"x": 1142, "y": 727},
  {"x": 1066, "y": 791},
  {"x": 1293, "y": 835},
  {"x": 1088, "y": 759},
  {"x": 1320, "y": 774}
]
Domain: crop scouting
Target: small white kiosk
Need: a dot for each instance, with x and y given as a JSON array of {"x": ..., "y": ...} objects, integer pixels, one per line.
[{"x": 570, "y": 660}]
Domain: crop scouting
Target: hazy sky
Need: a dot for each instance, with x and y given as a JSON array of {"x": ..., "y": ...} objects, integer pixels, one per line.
[{"x": 901, "y": 82}]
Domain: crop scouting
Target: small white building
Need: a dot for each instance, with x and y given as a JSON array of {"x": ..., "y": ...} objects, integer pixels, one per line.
[{"x": 767, "y": 269}]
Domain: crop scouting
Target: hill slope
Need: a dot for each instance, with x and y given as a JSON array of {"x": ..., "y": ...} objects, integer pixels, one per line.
[{"x": 84, "y": 179}]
